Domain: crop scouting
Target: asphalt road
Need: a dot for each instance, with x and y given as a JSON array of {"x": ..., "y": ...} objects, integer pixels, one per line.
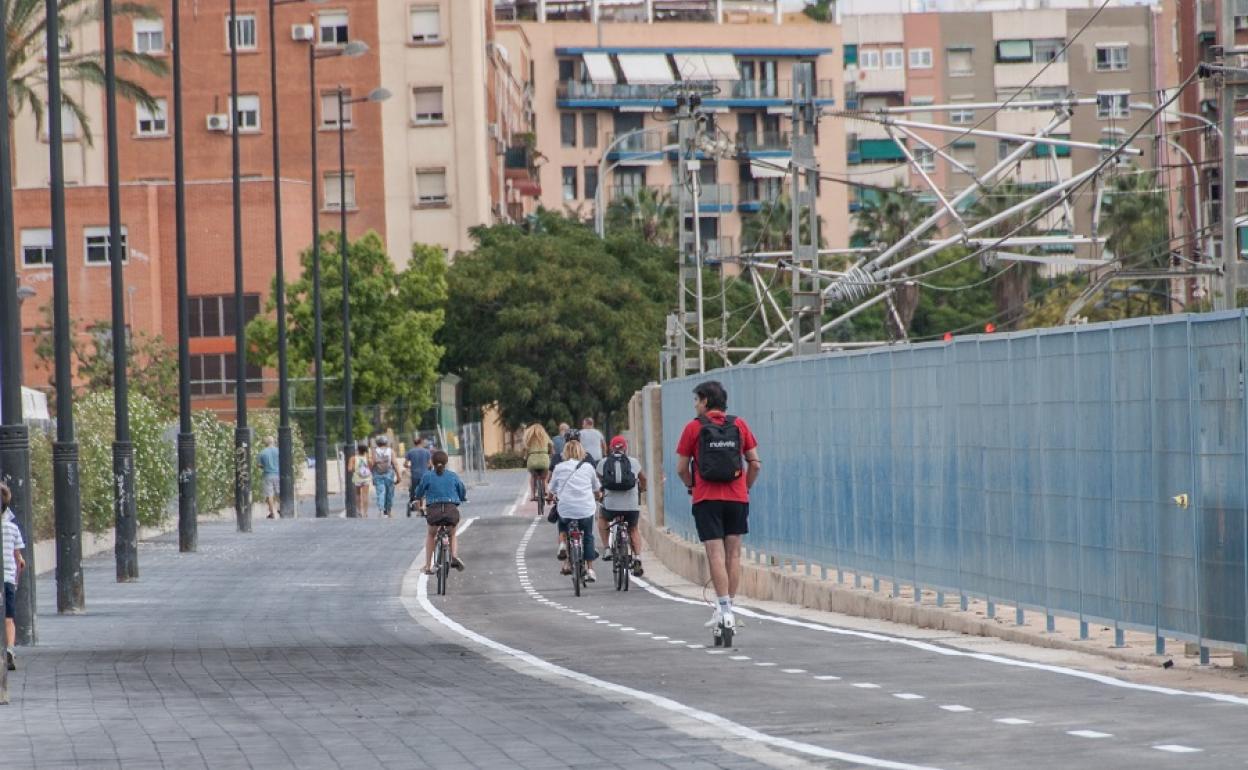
[{"x": 315, "y": 644}]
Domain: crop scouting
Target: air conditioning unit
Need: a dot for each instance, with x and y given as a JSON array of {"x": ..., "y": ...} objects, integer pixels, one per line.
[
  {"x": 219, "y": 122},
  {"x": 302, "y": 33},
  {"x": 492, "y": 131}
]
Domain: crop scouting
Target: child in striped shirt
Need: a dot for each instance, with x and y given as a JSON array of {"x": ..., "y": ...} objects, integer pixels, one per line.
[{"x": 10, "y": 542}]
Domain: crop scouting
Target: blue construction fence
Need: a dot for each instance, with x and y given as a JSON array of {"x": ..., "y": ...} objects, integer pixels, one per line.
[{"x": 1038, "y": 469}]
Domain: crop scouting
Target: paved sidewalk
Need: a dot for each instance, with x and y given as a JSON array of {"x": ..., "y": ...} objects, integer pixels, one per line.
[{"x": 290, "y": 647}]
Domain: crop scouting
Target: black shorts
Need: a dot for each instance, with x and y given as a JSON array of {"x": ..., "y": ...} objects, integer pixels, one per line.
[
  {"x": 10, "y": 600},
  {"x": 632, "y": 517},
  {"x": 442, "y": 514},
  {"x": 716, "y": 519}
]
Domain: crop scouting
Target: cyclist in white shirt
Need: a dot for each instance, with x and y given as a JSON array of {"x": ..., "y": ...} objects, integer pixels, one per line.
[{"x": 575, "y": 486}]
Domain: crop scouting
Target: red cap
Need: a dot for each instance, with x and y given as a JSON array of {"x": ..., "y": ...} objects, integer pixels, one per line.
[{"x": 619, "y": 442}]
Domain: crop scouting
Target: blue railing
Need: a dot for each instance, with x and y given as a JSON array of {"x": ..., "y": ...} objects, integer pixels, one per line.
[{"x": 1038, "y": 469}]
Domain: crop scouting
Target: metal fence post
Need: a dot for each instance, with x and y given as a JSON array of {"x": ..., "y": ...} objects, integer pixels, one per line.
[
  {"x": 1192, "y": 428},
  {"x": 1083, "y": 624},
  {"x": 1243, "y": 394},
  {"x": 1159, "y": 640}
]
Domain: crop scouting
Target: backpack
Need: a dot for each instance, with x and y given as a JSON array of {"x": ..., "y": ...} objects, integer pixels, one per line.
[
  {"x": 384, "y": 459},
  {"x": 719, "y": 450},
  {"x": 617, "y": 473}
]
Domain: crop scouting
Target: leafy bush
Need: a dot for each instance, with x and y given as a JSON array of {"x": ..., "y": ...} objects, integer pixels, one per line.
[
  {"x": 505, "y": 461},
  {"x": 214, "y": 456},
  {"x": 264, "y": 424},
  {"x": 41, "y": 484}
]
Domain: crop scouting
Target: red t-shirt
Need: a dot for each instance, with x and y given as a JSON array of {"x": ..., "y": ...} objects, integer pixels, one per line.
[{"x": 736, "y": 490}]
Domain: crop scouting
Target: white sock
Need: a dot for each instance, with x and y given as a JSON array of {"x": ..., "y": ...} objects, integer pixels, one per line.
[
  {"x": 730, "y": 601},
  {"x": 725, "y": 604}
]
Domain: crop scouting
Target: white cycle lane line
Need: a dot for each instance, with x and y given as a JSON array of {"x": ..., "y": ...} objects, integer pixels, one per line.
[{"x": 538, "y": 666}]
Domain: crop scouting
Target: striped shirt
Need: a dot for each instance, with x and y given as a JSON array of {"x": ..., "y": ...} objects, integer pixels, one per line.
[{"x": 12, "y": 541}]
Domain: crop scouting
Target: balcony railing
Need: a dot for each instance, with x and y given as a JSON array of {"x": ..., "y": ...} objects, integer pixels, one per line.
[
  {"x": 767, "y": 141},
  {"x": 720, "y": 91},
  {"x": 760, "y": 191},
  {"x": 644, "y": 142},
  {"x": 712, "y": 198},
  {"x": 623, "y": 11}
]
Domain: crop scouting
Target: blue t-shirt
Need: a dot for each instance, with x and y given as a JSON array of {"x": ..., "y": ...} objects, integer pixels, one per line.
[
  {"x": 268, "y": 460},
  {"x": 446, "y": 488},
  {"x": 418, "y": 458}
]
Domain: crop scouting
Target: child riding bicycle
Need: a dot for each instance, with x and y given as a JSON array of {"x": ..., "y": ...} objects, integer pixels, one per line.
[{"x": 443, "y": 493}]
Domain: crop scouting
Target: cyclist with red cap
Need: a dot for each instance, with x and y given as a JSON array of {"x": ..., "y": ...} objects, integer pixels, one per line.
[{"x": 623, "y": 481}]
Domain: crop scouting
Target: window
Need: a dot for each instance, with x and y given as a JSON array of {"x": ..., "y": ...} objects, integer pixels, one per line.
[
  {"x": 567, "y": 70},
  {"x": 1111, "y": 57},
  {"x": 426, "y": 24},
  {"x": 926, "y": 159},
  {"x": 591, "y": 182},
  {"x": 568, "y": 176},
  {"x": 921, "y": 101},
  {"x": 243, "y": 31},
  {"x": 629, "y": 182},
  {"x": 960, "y": 61},
  {"x": 1051, "y": 49},
  {"x": 869, "y": 59},
  {"x": 961, "y": 117},
  {"x": 894, "y": 58},
  {"x": 37, "y": 247},
  {"x": 427, "y": 105},
  {"x": 247, "y": 114},
  {"x": 214, "y": 374},
  {"x": 333, "y": 191},
  {"x": 96, "y": 245},
  {"x": 567, "y": 129},
  {"x": 431, "y": 187},
  {"x": 1013, "y": 51},
  {"x": 149, "y": 122},
  {"x": 329, "y": 111},
  {"x": 964, "y": 153},
  {"x": 1005, "y": 147},
  {"x": 920, "y": 58},
  {"x": 69, "y": 123},
  {"x": 333, "y": 28},
  {"x": 1111, "y": 104},
  {"x": 149, "y": 36},
  {"x": 589, "y": 129},
  {"x": 213, "y": 315}
]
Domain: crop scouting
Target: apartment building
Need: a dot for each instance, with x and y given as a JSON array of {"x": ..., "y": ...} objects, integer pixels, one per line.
[
  {"x": 974, "y": 57},
  {"x": 605, "y": 77}
]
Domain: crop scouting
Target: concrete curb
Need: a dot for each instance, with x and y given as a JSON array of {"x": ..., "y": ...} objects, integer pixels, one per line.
[{"x": 767, "y": 583}]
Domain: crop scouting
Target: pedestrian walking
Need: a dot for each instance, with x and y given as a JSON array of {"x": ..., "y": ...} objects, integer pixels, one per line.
[
  {"x": 361, "y": 477},
  {"x": 717, "y": 459},
  {"x": 623, "y": 481},
  {"x": 417, "y": 464},
  {"x": 592, "y": 440},
  {"x": 385, "y": 474},
  {"x": 11, "y": 545},
  {"x": 271, "y": 473},
  {"x": 445, "y": 492}
]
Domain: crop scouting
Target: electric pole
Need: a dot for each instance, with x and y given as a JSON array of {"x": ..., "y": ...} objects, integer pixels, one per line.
[
  {"x": 1226, "y": 115},
  {"x": 807, "y": 295}
]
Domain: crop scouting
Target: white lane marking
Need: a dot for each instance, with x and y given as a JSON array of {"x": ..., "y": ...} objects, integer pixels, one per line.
[
  {"x": 828, "y": 678},
  {"x": 907, "y": 696},
  {"x": 591, "y": 617},
  {"x": 740, "y": 657},
  {"x": 658, "y": 638},
  {"x": 865, "y": 686},
  {"x": 696, "y": 646},
  {"x": 520, "y": 500},
  {"x": 1089, "y": 734},
  {"x": 716, "y": 652},
  {"x": 1175, "y": 748},
  {"x": 613, "y": 625},
  {"x": 601, "y": 622},
  {"x": 627, "y": 628},
  {"x": 793, "y": 670},
  {"x": 957, "y": 709},
  {"x": 765, "y": 665},
  {"x": 676, "y": 641},
  {"x": 667, "y": 704},
  {"x": 1238, "y": 700},
  {"x": 1013, "y": 721},
  {"x": 645, "y": 633}
]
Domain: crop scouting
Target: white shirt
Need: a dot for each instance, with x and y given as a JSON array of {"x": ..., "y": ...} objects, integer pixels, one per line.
[
  {"x": 592, "y": 440},
  {"x": 10, "y": 540},
  {"x": 575, "y": 483}
]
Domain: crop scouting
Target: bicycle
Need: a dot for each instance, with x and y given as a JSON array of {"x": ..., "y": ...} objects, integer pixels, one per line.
[
  {"x": 442, "y": 557},
  {"x": 621, "y": 548},
  {"x": 540, "y": 486},
  {"x": 576, "y": 555},
  {"x": 722, "y": 634}
]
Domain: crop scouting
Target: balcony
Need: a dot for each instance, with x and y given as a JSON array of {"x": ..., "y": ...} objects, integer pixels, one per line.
[
  {"x": 723, "y": 93},
  {"x": 757, "y": 193},
  {"x": 764, "y": 143},
  {"x": 520, "y": 169},
  {"x": 640, "y": 149},
  {"x": 634, "y": 11},
  {"x": 712, "y": 198},
  {"x": 1047, "y": 75},
  {"x": 878, "y": 81}
]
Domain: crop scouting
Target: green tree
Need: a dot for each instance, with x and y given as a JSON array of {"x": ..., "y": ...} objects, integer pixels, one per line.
[
  {"x": 771, "y": 228},
  {"x": 27, "y": 66},
  {"x": 1134, "y": 220},
  {"x": 1012, "y": 285},
  {"x": 650, "y": 212},
  {"x": 553, "y": 323},
  {"x": 885, "y": 219},
  {"x": 394, "y": 318}
]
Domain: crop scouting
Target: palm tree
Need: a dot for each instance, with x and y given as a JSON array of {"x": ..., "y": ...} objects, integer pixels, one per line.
[
  {"x": 1133, "y": 219},
  {"x": 771, "y": 228},
  {"x": 884, "y": 219},
  {"x": 1012, "y": 286},
  {"x": 28, "y": 69},
  {"x": 649, "y": 211}
]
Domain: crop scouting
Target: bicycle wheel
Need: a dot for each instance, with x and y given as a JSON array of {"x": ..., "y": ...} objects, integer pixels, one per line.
[
  {"x": 439, "y": 562},
  {"x": 725, "y": 635},
  {"x": 619, "y": 559},
  {"x": 578, "y": 568},
  {"x": 444, "y": 574},
  {"x": 626, "y": 557},
  {"x": 541, "y": 498}
]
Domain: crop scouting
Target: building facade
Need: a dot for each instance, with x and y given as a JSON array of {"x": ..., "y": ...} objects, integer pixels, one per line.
[
  {"x": 606, "y": 76},
  {"x": 979, "y": 58}
]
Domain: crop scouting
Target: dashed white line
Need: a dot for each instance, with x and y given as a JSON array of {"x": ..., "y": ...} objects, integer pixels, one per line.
[
  {"x": 740, "y": 657},
  {"x": 1089, "y": 734},
  {"x": 696, "y": 646},
  {"x": 907, "y": 696},
  {"x": 765, "y": 665},
  {"x": 827, "y": 678},
  {"x": 1175, "y": 748},
  {"x": 957, "y": 709},
  {"x": 659, "y": 638},
  {"x": 865, "y": 686},
  {"x": 1013, "y": 721},
  {"x": 793, "y": 670}
]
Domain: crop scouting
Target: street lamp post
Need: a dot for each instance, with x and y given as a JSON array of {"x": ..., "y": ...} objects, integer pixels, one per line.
[
  {"x": 353, "y": 49},
  {"x": 126, "y": 544},
  {"x": 188, "y": 502},
  {"x": 67, "y": 495},
  {"x": 376, "y": 95},
  {"x": 242, "y": 434},
  {"x": 14, "y": 437}
]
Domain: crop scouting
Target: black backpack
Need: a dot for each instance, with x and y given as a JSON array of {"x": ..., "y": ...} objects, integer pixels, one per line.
[
  {"x": 719, "y": 450},
  {"x": 617, "y": 473}
]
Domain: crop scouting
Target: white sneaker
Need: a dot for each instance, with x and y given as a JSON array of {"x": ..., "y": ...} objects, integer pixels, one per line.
[
  {"x": 590, "y": 577},
  {"x": 715, "y": 618}
]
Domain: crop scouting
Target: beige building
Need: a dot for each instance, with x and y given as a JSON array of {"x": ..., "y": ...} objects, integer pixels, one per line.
[{"x": 605, "y": 78}]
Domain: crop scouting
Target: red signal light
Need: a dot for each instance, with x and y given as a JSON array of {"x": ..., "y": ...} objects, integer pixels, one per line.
[
  {"x": 989, "y": 328},
  {"x": 948, "y": 336}
]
